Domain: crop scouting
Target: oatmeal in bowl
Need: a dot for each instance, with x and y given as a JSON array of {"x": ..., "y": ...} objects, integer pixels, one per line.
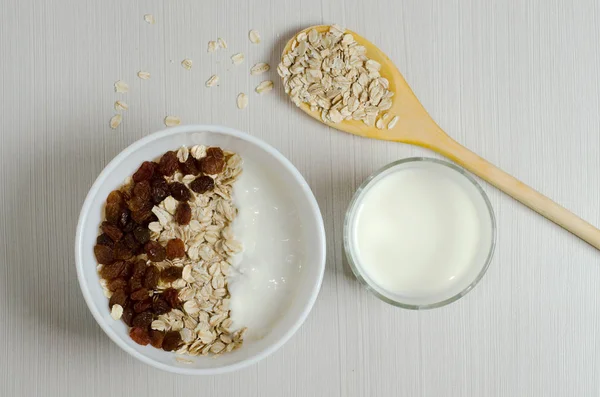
[{"x": 200, "y": 249}]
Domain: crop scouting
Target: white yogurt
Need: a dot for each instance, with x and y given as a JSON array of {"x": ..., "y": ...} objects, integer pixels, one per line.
[
  {"x": 268, "y": 270},
  {"x": 421, "y": 232}
]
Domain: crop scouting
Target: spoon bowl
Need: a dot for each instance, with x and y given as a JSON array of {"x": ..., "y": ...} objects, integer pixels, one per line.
[{"x": 415, "y": 126}]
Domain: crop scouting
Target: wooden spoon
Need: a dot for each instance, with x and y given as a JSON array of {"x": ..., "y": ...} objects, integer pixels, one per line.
[{"x": 416, "y": 127}]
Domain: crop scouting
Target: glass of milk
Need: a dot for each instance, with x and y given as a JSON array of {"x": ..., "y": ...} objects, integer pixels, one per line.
[{"x": 420, "y": 233}]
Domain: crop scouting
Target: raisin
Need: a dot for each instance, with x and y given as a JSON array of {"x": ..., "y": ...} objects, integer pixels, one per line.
[
  {"x": 119, "y": 297},
  {"x": 155, "y": 251},
  {"x": 130, "y": 224},
  {"x": 144, "y": 173},
  {"x": 156, "y": 338},
  {"x": 124, "y": 218},
  {"x": 122, "y": 252},
  {"x": 115, "y": 197},
  {"x": 216, "y": 152},
  {"x": 140, "y": 295},
  {"x": 111, "y": 231},
  {"x": 104, "y": 254},
  {"x": 161, "y": 306},
  {"x": 202, "y": 184},
  {"x": 113, "y": 270},
  {"x": 143, "y": 319},
  {"x": 117, "y": 283},
  {"x": 160, "y": 190},
  {"x": 179, "y": 191},
  {"x": 151, "y": 218},
  {"x": 136, "y": 282},
  {"x": 137, "y": 204},
  {"x": 112, "y": 212},
  {"x": 127, "y": 271},
  {"x": 130, "y": 242},
  {"x": 151, "y": 277},
  {"x": 139, "y": 267},
  {"x": 171, "y": 295},
  {"x": 140, "y": 217},
  {"x": 142, "y": 190},
  {"x": 127, "y": 316},
  {"x": 142, "y": 306},
  {"x": 141, "y": 234},
  {"x": 175, "y": 248},
  {"x": 140, "y": 335},
  {"x": 127, "y": 191},
  {"x": 183, "y": 214},
  {"x": 212, "y": 165},
  {"x": 171, "y": 274},
  {"x": 103, "y": 239},
  {"x": 169, "y": 163},
  {"x": 171, "y": 341},
  {"x": 190, "y": 167}
]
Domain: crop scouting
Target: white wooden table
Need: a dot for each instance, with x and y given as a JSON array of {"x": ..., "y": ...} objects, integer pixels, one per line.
[{"x": 517, "y": 81}]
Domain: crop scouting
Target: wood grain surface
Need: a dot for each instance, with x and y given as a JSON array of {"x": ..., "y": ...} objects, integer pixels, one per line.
[{"x": 515, "y": 81}]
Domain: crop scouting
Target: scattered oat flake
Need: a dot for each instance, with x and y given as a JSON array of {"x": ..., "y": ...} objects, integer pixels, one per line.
[
  {"x": 149, "y": 18},
  {"x": 171, "y": 121},
  {"x": 212, "y": 46},
  {"x": 144, "y": 75},
  {"x": 119, "y": 105},
  {"x": 379, "y": 124},
  {"x": 116, "y": 312},
  {"x": 237, "y": 58},
  {"x": 242, "y": 100},
  {"x": 121, "y": 86},
  {"x": 184, "y": 360},
  {"x": 254, "y": 36},
  {"x": 265, "y": 86},
  {"x": 186, "y": 63},
  {"x": 392, "y": 123},
  {"x": 115, "y": 121},
  {"x": 222, "y": 43},
  {"x": 259, "y": 68},
  {"x": 214, "y": 79}
]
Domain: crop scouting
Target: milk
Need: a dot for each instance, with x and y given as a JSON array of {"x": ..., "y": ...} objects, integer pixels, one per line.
[{"x": 421, "y": 233}]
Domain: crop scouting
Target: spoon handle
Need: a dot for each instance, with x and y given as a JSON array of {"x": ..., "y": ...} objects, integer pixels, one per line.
[{"x": 518, "y": 190}]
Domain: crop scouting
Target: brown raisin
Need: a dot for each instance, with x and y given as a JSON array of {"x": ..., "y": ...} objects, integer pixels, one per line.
[
  {"x": 160, "y": 189},
  {"x": 142, "y": 190},
  {"x": 127, "y": 191},
  {"x": 122, "y": 252},
  {"x": 113, "y": 270},
  {"x": 169, "y": 163},
  {"x": 143, "y": 319},
  {"x": 212, "y": 165},
  {"x": 104, "y": 254},
  {"x": 119, "y": 297},
  {"x": 171, "y": 295},
  {"x": 140, "y": 335},
  {"x": 136, "y": 282},
  {"x": 202, "y": 184},
  {"x": 117, "y": 283},
  {"x": 216, "y": 152},
  {"x": 142, "y": 306},
  {"x": 171, "y": 274},
  {"x": 130, "y": 225},
  {"x": 179, "y": 191},
  {"x": 151, "y": 277},
  {"x": 140, "y": 295},
  {"x": 171, "y": 341},
  {"x": 139, "y": 267},
  {"x": 175, "y": 248},
  {"x": 112, "y": 212},
  {"x": 141, "y": 234},
  {"x": 155, "y": 251},
  {"x": 156, "y": 338},
  {"x": 127, "y": 271},
  {"x": 141, "y": 217},
  {"x": 190, "y": 167},
  {"x": 160, "y": 306},
  {"x": 103, "y": 239},
  {"x": 124, "y": 219},
  {"x": 136, "y": 204},
  {"x": 183, "y": 214},
  {"x": 130, "y": 242},
  {"x": 111, "y": 231},
  {"x": 127, "y": 316},
  {"x": 115, "y": 197},
  {"x": 145, "y": 172}
]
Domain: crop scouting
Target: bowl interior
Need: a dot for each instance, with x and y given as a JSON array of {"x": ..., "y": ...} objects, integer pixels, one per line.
[{"x": 265, "y": 171}]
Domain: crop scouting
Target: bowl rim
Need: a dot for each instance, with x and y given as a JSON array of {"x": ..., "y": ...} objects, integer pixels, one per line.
[{"x": 218, "y": 129}]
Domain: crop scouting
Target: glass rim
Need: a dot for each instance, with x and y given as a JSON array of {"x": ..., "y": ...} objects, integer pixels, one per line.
[{"x": 348, "y": 246}]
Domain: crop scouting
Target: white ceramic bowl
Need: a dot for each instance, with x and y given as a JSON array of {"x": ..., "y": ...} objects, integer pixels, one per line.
[{"x": 278, "y": 171}]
